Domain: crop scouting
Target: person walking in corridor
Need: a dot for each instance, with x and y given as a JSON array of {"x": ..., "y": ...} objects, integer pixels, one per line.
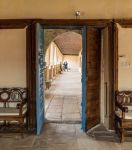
[{"x": 65, "y": 66}]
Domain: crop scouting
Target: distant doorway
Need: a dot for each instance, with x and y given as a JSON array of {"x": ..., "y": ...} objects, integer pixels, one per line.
[{"x": 63, "y": 87}]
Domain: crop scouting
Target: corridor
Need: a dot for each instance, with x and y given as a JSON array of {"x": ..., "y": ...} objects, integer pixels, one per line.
[{"x": 63, "y": 99}]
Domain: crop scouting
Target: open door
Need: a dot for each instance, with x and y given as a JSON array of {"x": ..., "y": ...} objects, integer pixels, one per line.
[
  {"x": 105, "y": 78},
  {"x": 39, "y": 77},
  {"x": 83, "y": 104},
  {"x": 93, "y": 60}
]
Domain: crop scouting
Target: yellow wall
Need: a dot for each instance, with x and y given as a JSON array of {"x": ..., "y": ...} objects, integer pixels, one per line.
[
  {"x": 125, "y": 62},
  {"x": 47, "y": 56},
  {"x": 65, "y": 8},
  {"x": 53, "y": 55},
  {"x": 73, "y": 61},
  {"x": 80, "y": 61},
  {"x": 60, "y": 56},
  {"x": 12, "y": 58}
]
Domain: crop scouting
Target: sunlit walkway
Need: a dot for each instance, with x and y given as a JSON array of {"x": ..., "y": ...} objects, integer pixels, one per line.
[{"x": 63, "y": 100}]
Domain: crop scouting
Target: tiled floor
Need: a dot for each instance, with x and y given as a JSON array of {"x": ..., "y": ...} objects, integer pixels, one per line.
[
  {"x": 60, "y": 137},
  {"x": 63, "y": 99}
]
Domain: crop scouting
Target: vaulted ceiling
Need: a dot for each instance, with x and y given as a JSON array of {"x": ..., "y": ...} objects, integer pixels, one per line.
[{"x": 69, "y": 43}]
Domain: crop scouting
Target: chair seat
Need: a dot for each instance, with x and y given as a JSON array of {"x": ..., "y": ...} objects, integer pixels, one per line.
[
  {"x": 128, "y": 115},
  {"x": 11, "y": 111},
  {"x": 48, "y": 81}
]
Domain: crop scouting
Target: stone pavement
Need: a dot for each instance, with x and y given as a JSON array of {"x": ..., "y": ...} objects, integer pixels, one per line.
[
  {"x": 59, "y": 137},
  {"x": 63, "y": 99}
]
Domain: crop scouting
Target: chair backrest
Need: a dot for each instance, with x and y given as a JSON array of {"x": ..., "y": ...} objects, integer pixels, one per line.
[
  {"x": 124, "y": 97},
  {"x": 12, "y": 95}
]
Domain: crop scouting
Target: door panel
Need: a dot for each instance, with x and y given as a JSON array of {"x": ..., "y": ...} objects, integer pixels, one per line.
[
  {"x": 93, "y": 58},
  {"x": 31, "y": 76},
  {"x": 115, "y": 53},
  {"x": 84, "y": 79},
  {"x": 39, "y": 77},
  {"x": 114, "y": 74},
  {"x": 105, "y": 78}
]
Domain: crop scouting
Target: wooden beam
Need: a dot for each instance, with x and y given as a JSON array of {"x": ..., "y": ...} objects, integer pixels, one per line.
[
  {"x": 125, "y": 23},
  {"x": 75, "y": 22}
]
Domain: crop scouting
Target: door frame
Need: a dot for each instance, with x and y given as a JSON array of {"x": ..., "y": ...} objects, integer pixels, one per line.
[
  {"x": 82, "y": 28},
  {"x": 86, "y": 23}
]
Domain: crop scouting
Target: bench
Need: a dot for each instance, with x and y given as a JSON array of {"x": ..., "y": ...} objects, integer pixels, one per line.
[
  {"x": 13, "y": 107},
  {"x": 123, "y": 115},
  {"x": 48, "y": 84}
]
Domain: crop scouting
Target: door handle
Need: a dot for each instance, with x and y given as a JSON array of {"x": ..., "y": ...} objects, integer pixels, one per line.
[{"x": 106, "y": 92}]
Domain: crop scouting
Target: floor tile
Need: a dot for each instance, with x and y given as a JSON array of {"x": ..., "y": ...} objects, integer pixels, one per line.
[{"x": 65, "y": 98}]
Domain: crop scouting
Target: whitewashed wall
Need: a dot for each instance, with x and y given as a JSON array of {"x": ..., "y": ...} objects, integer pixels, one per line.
[
  {"x": 65, "y": 9},
  {"x": 12, "y": 58},
  {"x": 125, "y": 58}
]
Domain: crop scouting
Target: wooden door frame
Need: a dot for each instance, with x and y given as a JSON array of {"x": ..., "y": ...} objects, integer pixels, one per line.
[
  {"x": 31, "y": 53},
  {"x": 111, "y": 74},
  {"x": 97, "y": 23}
]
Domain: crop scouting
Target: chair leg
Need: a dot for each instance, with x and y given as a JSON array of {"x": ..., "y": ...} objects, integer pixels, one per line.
[
  {"x": 22, "y": 128},
  {"x": 119, "y": 129},
  {"x": 116, "y": 125},
  {"x": 121, "y": 136},
  {"x": 122, "y": 133}
]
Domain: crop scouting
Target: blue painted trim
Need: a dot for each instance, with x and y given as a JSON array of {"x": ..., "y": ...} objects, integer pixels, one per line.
[
  {"x": 83, "y": 79},
  {"x": 83, "y": 28},
  {"x": 39, "y": 79}
]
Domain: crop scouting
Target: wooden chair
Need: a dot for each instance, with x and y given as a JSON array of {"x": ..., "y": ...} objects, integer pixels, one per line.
[
  {"x": 13, "y": 108},
  {"x": 123, "y": 115}
]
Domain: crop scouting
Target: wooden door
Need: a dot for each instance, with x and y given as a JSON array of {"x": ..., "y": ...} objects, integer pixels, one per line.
[
  {"x": 93, "y": 66},
  {"x": 39, "y": 77}
]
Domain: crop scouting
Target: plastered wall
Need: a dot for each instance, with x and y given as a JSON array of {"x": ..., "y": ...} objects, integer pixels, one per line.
[
  {"x": 125, "y": 58},
  {"x": 53, "y": 55},
  {"x": 12, "y": 58},
  {"x": 65, "y": 9},
  {"x": 73, "y": 61}
]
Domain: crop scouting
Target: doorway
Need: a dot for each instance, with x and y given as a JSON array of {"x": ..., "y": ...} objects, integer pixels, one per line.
[
  {"x": 63, "y": 89},
  {"x": 49, "y": 73},
  {"x": 91, "y": 72}
]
